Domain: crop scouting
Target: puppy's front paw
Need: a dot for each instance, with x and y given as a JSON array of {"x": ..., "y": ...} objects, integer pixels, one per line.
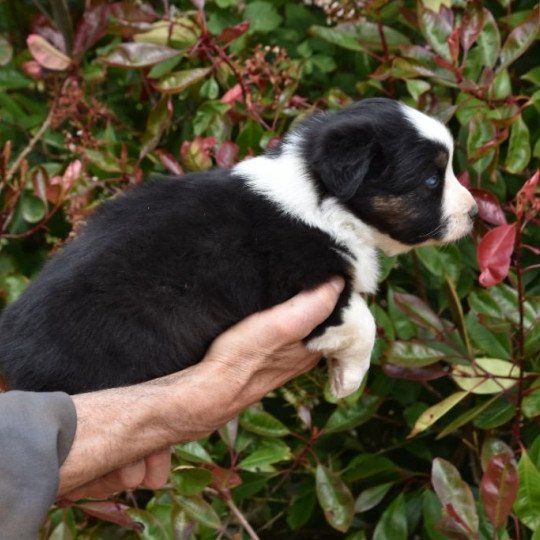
[{"x": 347, "y": 375}]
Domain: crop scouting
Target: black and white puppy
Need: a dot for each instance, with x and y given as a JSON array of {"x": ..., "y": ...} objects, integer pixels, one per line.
[{"x": 158, "y": 273}]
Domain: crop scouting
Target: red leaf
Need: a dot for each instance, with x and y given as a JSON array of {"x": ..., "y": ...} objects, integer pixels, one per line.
[
  {"x": 471, "y": 26},
  {"x": 494, "y": 252},
  {"x": 529, "y": 189},
  {"x": 112, "y": 512},
  {"x": 233, "y": 32},
  {"x": 423, "y": 373},
  {"x": 169, "y": 162},
  {"x": 92, "y": 27},
  {"x": 33, "y": 69},
  {"x": 499, "y": 487},
  {"x": 224, "y": 479},
  {"x": 232, "y": 95},
  {"x": 46, "y": 54},
  {"x": 453, "y": 44},
  {"x": 465, "y": 179},
  {"x": 489, "y": 208},
  {"x": 226, "y": 154}
]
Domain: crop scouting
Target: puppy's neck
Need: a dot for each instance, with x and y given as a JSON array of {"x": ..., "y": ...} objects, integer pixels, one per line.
[{"x": 284, "y": 180}]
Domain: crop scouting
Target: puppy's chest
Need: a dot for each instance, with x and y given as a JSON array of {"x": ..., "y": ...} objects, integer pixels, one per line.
[{"x": 364, "y": 266}]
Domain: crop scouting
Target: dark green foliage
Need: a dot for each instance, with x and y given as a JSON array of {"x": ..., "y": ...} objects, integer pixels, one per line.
[{"x": 443, "y": 440}]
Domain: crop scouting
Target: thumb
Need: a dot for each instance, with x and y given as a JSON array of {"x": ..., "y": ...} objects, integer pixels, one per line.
[{"x": 294, "y": 319}]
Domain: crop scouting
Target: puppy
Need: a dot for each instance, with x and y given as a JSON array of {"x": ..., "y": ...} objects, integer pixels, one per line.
[{"x": 161, "y": 271}]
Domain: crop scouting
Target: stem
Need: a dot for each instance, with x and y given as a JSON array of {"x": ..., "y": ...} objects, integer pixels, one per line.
[
  {"x": 241, "y": 518},
  {"x": 516, "y": 428},
  {"x": 30, "y": 146}
]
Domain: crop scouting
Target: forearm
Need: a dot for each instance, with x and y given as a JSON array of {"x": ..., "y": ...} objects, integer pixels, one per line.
[{"x": 120, "y": 426}]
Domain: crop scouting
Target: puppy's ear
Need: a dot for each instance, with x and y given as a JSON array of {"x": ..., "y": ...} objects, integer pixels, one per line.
[{"x": 342, "y": 157}]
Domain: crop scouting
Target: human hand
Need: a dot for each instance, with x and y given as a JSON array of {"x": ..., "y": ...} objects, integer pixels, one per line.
[
  {"x": 151, "y": 472},
  {"x": 263, "y": 352}
]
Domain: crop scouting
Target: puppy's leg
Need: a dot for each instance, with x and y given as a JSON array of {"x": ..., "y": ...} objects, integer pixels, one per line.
[{"x": 349, "y": 346}]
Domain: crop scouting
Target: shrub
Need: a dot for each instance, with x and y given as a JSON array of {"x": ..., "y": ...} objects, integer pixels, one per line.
[{"x": 443, "y": 440}]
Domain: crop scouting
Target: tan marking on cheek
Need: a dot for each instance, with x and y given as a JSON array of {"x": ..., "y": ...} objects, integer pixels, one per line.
[
  {"x": 394, "y": 207},
  {"x": 441, "y": 159}
]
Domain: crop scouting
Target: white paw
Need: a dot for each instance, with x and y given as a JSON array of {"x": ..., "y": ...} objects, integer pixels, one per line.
[{"x": 347, "y": 376}]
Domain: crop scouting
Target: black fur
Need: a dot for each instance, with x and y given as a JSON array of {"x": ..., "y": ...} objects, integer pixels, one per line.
[
  {"x": 156, "y": 275},
  {"x": 159, "y": 272}
]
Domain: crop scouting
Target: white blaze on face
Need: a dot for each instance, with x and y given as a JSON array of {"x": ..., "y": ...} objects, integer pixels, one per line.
[{"x": 457, "y": 202}]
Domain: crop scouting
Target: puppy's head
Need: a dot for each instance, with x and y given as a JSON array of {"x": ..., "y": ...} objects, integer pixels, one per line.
[{"x": 392, "y": 167}]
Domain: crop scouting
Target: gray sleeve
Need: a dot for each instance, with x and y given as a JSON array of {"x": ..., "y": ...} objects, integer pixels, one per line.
[{"x": 36, "y": 434}]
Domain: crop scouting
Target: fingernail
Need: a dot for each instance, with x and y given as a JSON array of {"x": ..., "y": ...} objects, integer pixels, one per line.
[{"x": 338, "y": 283}]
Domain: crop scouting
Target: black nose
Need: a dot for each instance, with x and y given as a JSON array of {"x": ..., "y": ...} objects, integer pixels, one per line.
[{"x": 473, "y": 212}]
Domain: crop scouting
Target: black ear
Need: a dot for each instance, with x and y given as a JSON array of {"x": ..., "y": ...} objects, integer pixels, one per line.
[{"x": 341, "y": 157}]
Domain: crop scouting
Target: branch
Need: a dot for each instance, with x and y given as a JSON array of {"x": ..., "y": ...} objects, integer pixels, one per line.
[
  {"x": 241, "y": 518},
  {"x": 41, "y": 131}
]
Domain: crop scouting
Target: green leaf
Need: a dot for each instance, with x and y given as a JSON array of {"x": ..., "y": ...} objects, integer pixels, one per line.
[
  {"x": 199, "y": 510},
  {"x": 519, "y": 147},
  {"x": 417, "y": 87},
  {"x": 369, "y": 34},
  {"x": 263, "y": 16},
  {"x": 533, "y": 76},
  {"x": 501, "y": 87},
  {"x": 527, "y": 505},
  {"x": 6, "y": 51},
  {"x": 341, "y": 38},
  {"x": 418, "y": 311},
  {"x": 481, "y": 132},
  {"x": 138, "y": 55},
  {"x": 436, "y": 29},
  {"x": 270, "y": 451},
  {"x": 158, "y": 122},
  {"x": 431, "y": 415},
  {"x": 264, "y": 424},
  {"x": 483, "y": 339},
  {"x": 520, "y": 39},
  {"x": 431, "y": 513},
  {"x": 193, "y": 452},
  {"x": 367, "y": 466},
  {"x": 33, "y": 209},
  {"x": 393, "y": 522},
  {"x": 301, "y": 510},
  {"x": 348, "y": 417},
  {"x": 335, "y": 498},
  {"x": 163, "y": 68},
  {"x": 489, "y": 40},
  {"x": 13, "y": 286},
  {"x": 371, "y": 497},
  {"x": 531, "y": 402},
  {"x": 486, "y": 376},
  {"x": 455, "y": 494},
  {"x": 179, "y": 32},
  {"x": 190, "y": 480},
  {"x": 152, "y": 528},
  {"x": 180, "y": 80},
  {"x": 412, "y": 354},
  {"x": 497, "y": 414},
  {"x": 466, "y": 417}
]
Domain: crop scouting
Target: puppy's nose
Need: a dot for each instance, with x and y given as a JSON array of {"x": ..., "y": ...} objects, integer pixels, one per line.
[{"x": 473, "y": 212}]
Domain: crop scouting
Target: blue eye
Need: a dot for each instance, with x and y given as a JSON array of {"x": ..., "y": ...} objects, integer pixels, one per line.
[{"x": 432, "y": 182}]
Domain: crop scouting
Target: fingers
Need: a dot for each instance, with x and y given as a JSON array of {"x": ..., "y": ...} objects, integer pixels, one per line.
[
  {"x": 158, "y": 467},
  {"x": 151, "y": 472}
]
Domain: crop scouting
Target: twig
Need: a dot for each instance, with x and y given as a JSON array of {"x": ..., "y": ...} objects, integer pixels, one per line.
[
  {"x": 241, "y": 518},
  {"x": 41, "y": 131}
]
